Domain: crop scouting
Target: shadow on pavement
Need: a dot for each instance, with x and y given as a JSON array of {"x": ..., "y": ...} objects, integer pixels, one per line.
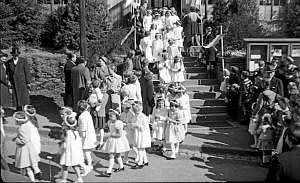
[
  {"x": 230, "y": 170},
  {"x": 46, "y": 107}
]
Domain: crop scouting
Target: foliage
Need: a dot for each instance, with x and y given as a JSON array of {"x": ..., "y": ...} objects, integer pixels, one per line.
[
  {"x": 62, "y": 28},
  {"x": 20, "y": 21},
  {"x": 239, "y": 23},
  {"x": 291, "y": 20}
]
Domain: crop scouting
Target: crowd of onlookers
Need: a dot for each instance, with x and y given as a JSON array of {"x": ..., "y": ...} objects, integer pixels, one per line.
[{"x": 267, "y": 99}]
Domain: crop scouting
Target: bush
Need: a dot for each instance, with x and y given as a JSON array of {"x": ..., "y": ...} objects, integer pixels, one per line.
[{"x": 291, "y": 20}]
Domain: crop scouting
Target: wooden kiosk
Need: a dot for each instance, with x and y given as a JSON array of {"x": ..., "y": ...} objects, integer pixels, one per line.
[{"x": 268, "y": 48}]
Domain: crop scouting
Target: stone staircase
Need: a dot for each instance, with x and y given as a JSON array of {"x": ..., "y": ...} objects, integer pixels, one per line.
[{"x": 207, "y": 110}]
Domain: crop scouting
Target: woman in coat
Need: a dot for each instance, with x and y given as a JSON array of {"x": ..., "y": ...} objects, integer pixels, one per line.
[
  {"x": 19, "y": 77},
  {"x": 147, "y": 93},
  {"x": 5, "y": 97}
]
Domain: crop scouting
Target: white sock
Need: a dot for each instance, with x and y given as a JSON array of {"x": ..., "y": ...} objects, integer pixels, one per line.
[
  {"x": 88, "y": 157},
  {"x": 111, "y": 165},
  {"x": 141, "y": 157},
  {"x": 101, "y": 136},
  {"x": 120, "y": 162},
  {"x": 145, "y": 156},
  {"x": 30, "y": 174},
  {"x": 36, "y": 169}
]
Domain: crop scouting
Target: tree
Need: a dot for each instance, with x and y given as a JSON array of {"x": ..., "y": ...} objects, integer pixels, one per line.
[
  {"x": 291, "y": 20},
  {"x": 20, "y": 21},
  {"x": 240, "y": 20}
]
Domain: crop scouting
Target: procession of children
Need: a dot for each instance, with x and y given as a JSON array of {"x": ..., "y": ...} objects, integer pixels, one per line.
[{"x": 117, "y": 104}]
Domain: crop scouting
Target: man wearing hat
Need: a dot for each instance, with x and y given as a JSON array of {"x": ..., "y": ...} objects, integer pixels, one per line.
[
  {"x": 5, "y": 98},
  {"x": 276, "y": 84},
  {"x": 19, "y": 77}
]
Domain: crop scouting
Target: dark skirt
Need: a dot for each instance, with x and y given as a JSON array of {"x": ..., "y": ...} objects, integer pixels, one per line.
[
  {"x": 99, "y": 121},
  {"x": 195, "y": 28}
]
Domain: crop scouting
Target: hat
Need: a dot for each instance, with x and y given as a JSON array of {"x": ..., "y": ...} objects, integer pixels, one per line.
[
  {"x": 269, "y": 68},
  {"x": 174, "y": 103},
  {"x": 20, "y": 117},
  {"x": 2, "y": 54},
  {"x": 70, "y": 120},
  {"x": 290, "y": 59},
  {"x": 66, "y": 110},
  {"x": 15, "y": 50},
  {"x": 116, "y": 111},
  {"x": 132, "y": 78},
  {"x": 29, "y": 110},
  {"x": 83, "y": 105},
  {"x": 104, "y": 59}
]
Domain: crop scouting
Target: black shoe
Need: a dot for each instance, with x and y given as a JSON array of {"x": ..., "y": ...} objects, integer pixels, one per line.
[
  {"x": 146, "y": 164},
  {"x": 170, "y": 158},
  {"x": 38, "y": 176},
  {"x": 137, "y": 166},
  {"x": 105, "y": 174},
  {"x": 119, "y": 169}
]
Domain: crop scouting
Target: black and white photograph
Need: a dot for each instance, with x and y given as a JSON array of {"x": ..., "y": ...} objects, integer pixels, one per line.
[{"x": 150, "y": 90}]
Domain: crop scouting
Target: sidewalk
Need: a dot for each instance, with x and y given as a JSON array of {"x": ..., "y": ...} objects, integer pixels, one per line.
[{"x": 232, "y": 140}]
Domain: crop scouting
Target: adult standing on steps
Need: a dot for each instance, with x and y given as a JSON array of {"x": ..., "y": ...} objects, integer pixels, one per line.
[
  {"x": 81, "y": 80},
  {"x": 19, "y": 77}
]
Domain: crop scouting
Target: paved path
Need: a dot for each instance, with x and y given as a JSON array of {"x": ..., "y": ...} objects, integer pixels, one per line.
[{"x": 185, "y": 168}]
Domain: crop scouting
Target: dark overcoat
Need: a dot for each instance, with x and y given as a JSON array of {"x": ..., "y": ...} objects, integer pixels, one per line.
[
  {"x": 147, "y": 95},
  {"x": 5, "y": 97},
  {"x": 19, "y": 76},
  {"x": 80, "y": 78},
  {"x": 68, "y": 100}
]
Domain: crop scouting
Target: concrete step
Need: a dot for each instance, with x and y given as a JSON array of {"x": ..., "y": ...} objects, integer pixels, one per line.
[
  {"x": 189, "y": 59},
  {"x": 202, "y": 88},
  {"x": 203, "y": 95},
  {"x": 202, "y": 75},
  {"x": 201, "y": 82},
  {"x": 207, "y": 102},
  {"x": 208, "y": 109},
  {"x": 200, "y": 118},
  {"x": 195, "y": 69}
]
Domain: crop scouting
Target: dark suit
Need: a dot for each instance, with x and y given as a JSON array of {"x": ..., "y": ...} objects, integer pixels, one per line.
[
  {"x": 276, "y": 85},
  {"x": 19, "y": 76},
  {"x": 147, "y": 95}
]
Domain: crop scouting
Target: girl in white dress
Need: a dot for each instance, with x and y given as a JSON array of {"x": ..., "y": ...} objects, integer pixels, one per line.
[
  {"x": 116, "y": 143},
  {"x": 157, "y": 48},
  {"x": 26, "y": 155},
  {"x": 158, "y": 119},
  {"x": 130, "y": 90},
  {"x": 178, "y": 35},
  {"x": 157, "y": 21},
  {"x": 174, "y": 130},
  {"x": 72, "y": 152},
  {"x": 164, "y": 69},
  {"x": 146, "y": 47},
  {"x": 168, "y": 35},
  {"x": 173, "y": 50},
  {"x": 127, "y": 117},
  {"x": 153, "y": 32},
  {"x": 142, "y": 136},
  {"x": 147, "y": 21},
  {"x": 184, "y": 106},
  {"x": 87, "y": 133},
  {"x": 35, "y": 136},
  {"x": 177, "y": 70},
  {"x": 168, "y": 21}
]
